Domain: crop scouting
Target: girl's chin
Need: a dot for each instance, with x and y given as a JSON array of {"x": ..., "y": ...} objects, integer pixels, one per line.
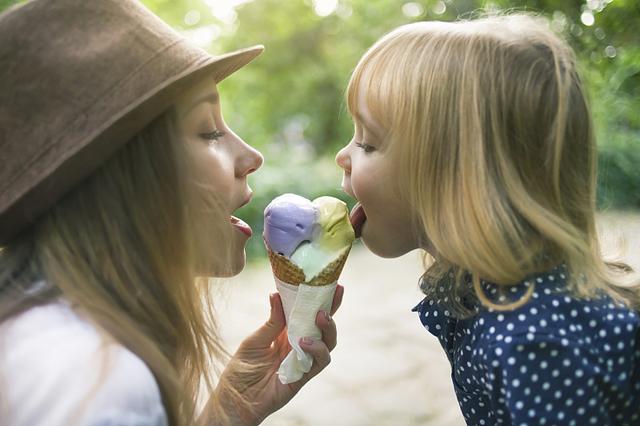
[
  {"x": 382, "y": 246},
  {"x": 379, "y": 248},
  {"x": 383, "y": 252}
]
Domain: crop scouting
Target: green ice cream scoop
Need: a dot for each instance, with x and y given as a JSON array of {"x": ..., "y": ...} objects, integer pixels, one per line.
[{"x": 332, "y": 236}]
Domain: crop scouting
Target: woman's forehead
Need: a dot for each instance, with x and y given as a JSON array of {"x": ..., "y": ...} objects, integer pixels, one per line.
[{"x": 204, "y": 91}]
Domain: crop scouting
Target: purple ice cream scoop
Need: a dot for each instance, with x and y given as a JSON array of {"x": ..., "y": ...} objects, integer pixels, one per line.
[{"x": 288, "y": 221}]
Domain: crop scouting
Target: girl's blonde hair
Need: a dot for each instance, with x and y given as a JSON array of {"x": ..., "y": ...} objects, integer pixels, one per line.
[
  {"x": 125, "y": 248},
  {"x": 490, "y": 127}
]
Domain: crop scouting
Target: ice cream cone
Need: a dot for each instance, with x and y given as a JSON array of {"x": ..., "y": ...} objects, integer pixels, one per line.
[
  {"x": 332, "y": 271},
  {"x": 307, "y": 253},
  {"x": 284, "y": 269},
  {"x": 288, "y": 272}
]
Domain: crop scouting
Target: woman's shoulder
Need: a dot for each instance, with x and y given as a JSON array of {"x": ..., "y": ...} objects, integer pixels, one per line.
[{"x": 54, "y": 360}]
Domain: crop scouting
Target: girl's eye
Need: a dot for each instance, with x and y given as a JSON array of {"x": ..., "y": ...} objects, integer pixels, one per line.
[
  {"x": 212, "y": 136},
  {"x": 365, "y": 147}
]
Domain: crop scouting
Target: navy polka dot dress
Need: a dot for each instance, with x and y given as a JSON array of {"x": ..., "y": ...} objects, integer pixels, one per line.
[{"x": 556, "y": 360}]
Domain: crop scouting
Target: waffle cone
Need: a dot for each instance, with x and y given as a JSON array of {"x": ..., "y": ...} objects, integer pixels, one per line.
[
  {"x": 287, "y": 271},
  {"x": 284, "y": 269},
  {"x": 331, "y": 272}
]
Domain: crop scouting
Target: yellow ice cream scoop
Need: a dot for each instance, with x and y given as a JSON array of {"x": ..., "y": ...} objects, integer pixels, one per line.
[
  {"x": 331, "y": 238},
  {"x": 336, "y": 232}
]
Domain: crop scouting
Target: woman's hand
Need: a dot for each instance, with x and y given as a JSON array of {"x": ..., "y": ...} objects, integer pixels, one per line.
[{"x": 252, "y": 372}]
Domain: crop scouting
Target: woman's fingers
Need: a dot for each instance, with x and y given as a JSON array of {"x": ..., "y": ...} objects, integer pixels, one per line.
[
  {"x": 319, "y": 351},
  {"x": 337, "y": 298},
  {"x": 325, "y": 322},
  {"x": 277, "y": 312},
  {"x": 327, "y": 326}
]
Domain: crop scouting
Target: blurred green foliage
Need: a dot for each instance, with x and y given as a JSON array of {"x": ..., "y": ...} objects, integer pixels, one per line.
[{"x": 290, "y": 104}]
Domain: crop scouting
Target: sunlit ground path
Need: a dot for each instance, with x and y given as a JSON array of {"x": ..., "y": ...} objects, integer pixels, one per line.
[{"x": 386, "y": 370}]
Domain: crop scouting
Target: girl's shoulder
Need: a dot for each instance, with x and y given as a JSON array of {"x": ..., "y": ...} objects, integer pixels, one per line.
[
  {"x": 552, "y": 313},
  {"x": 53, "y": 359}
]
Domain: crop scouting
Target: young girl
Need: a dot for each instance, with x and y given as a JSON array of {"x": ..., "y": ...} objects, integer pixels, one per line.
[
  {"x": 473, "y": 141},
  {"x": 118, "y": 179}
]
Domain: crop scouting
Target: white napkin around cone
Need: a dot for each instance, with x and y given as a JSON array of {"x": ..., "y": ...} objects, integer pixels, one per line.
[{"x": 301, "y": 303}]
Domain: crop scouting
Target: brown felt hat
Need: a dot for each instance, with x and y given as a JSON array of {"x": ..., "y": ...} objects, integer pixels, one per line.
[{"x": 78, "y": 79}]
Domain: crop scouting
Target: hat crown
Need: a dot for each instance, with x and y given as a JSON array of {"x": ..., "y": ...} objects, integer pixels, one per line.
[
  {"x": 68, "y": 67},
  {"x": 79, "y": 52},
  {"x": 78, "y": 79}
]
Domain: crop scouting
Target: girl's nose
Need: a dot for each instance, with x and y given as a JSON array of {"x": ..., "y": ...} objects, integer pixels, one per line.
[
  {"x": 343, "y": 159},
  {"x": 248, "y": 159}
]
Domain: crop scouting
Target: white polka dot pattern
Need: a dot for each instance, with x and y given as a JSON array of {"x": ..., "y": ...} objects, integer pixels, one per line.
[{"x": 556, "y": 360}]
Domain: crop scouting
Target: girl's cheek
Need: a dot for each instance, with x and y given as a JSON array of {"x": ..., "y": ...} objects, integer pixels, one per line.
[{"x": 356, "y": 187}]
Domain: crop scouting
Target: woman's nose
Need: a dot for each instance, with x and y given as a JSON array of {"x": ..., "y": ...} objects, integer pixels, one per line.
[
  {"x": 248, "y": 160},
  {"x": 343, "y": 159}
]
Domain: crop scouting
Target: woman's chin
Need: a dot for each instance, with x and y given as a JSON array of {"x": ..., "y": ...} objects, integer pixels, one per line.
[
  {"x": 230, "y": 268},
  {"x": 236, "y": 265},
  {"x": 239, "y": 264}
]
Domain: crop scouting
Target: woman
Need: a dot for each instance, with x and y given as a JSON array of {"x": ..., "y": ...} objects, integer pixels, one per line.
[{"x": 118, "y": 182}]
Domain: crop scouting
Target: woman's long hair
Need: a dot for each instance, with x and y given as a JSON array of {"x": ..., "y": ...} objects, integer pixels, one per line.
[
  {"x": 125, "y": 248},
  {"x": 490, "y": 127}
]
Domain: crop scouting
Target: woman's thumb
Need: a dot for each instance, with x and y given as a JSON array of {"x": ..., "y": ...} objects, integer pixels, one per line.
[{"x": 271, "y": 329}]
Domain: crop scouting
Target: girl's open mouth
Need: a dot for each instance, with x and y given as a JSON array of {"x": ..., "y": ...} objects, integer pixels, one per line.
[
  {"x": 357, "y": 217},
  {"x": 241, "y": 226}
]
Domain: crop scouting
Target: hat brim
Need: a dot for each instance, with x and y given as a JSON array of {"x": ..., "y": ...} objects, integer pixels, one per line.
[
  {"x": 224, "y": 65},
  {"x": 29, "y": 200}
]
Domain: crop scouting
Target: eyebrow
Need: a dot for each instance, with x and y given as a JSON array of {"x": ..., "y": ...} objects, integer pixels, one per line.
[
  {"x": 366, "y": 124},
  {"x": 212, "y": 98}
]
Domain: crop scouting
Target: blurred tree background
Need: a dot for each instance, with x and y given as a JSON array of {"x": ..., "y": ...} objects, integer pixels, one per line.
[{"x": 290, "y": 103}]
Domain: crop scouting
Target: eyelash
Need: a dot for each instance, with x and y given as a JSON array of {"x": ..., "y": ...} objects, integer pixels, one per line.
[
  {"x": 365, "y": 147},
  {"x": 213, "y": 136}
]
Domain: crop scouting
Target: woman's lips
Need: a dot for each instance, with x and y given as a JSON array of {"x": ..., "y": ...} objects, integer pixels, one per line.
[
  {"x": 357, "y": 217},
  {"x": 238, "y": 223},
  {"x": 241, "y": 226}
]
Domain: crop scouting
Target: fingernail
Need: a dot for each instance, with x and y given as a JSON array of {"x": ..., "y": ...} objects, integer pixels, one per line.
[
  {"x": 306, "y": 340},
  {"x": 271, "y": 296},
  {"x": 326, "y": 316}
]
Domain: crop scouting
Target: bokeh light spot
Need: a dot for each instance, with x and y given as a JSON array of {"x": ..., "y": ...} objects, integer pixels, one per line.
[
  {"x": 203, "y": 36},
  {"x": 192, "y": 17},
  {"x": 587, "y": 18},
  {"x": 412, "y": 9},
  {"x": 325, "y": 7},
  {"x": 439, "y": 8},
  {"x": 610, "y": 51}
]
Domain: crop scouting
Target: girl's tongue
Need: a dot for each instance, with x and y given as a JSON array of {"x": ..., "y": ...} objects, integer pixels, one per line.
[{"x": 357, "y": 218}]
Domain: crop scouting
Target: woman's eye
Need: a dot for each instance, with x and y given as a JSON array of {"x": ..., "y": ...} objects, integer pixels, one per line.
[
  {"x": 212, "y": 136},
  {"x": 366, "y": 147}
]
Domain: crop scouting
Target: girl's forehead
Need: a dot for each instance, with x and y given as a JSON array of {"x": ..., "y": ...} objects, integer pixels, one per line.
[
  {"x": 363, "y": 114},
  {"x": 363, "y": 120}
]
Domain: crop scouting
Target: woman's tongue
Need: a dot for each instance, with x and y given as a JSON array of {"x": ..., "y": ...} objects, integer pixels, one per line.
[
  {"x": 357, "y": 218},
  {"x": 241, "y": 226}
]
